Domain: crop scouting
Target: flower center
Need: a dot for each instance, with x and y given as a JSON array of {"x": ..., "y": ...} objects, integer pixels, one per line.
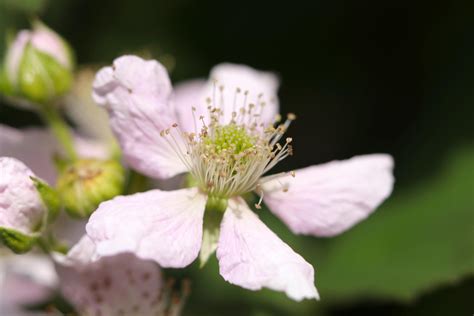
[
  {"x": 228, "y": 159},
  {"x": 228, "y": 140}
]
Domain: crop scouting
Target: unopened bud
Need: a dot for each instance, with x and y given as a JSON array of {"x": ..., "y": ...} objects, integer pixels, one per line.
[
  {"x": 22, "y": 212},
  {"x": 88, "y": 182},
  {"x": 38, "y": 65}
]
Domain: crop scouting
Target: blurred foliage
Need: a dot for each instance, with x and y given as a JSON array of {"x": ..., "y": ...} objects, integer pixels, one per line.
[
  {"x": 13, "y": 11},
  {"x": 24, "y": 6}
]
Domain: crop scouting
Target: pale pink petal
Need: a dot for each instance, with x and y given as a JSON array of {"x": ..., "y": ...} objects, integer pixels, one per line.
[
  {"x": 14, "y": 55},
  {"x": 36, "y": 148},
  {"x": 90, "y": 148},
  {"x": 327, "y": 199},
  {"x": 253, "y": 257},
  {"x": 68, "y": 230},
  {"x": 165, "y": 226},
  {"x": 256, "y": 83},
  {"x": 117, "y": 285},
  {"x": 137, "y": 94},
  {"x": 41, "y": 38},
  {"x": 187, "y": 95},
  {"x": 91, "y": 120},
  {"x": 21, "y": 207},
  {"x": 47, "y": 41},
  {"x": 26, "y": 279}
]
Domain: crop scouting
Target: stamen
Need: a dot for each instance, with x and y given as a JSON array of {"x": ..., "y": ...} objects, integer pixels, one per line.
[{"x": 229, "y": 158}]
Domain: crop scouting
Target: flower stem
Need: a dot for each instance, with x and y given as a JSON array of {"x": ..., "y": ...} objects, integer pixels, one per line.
[{"x": 60, "y": 130}]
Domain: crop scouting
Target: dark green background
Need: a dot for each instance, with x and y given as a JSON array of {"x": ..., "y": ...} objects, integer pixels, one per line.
[{"x": 363, "y": 77}]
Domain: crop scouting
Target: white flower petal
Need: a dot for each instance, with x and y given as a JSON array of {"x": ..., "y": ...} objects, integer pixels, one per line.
[
  {"x": 165, "y": 226},
  {"x": 137, "y": 94},
  {"x": 91, "y": 120},
  {"x": 327, "y": 199},
  {"x": 232, "y": 77},
  {"x": 252, "y": 256},
  {"x": 34, "y": 146},
  {"x": 187, "y": 95}
]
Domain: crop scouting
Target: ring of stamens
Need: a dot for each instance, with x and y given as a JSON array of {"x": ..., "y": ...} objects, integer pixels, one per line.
[{"x": 228, "y": 158}]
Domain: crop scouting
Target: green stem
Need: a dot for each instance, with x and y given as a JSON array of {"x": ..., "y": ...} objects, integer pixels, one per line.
[{"x": 60, "y": 130}]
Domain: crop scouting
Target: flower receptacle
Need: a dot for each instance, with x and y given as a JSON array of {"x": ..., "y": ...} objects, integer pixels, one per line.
[{"x": 86, "y": 183}]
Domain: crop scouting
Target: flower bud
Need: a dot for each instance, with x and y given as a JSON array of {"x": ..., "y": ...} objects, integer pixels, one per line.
[
  {"x": 38, "y": 65},
  {"x": 22, "y": 211},
  {"x": 87, "y": 182}
]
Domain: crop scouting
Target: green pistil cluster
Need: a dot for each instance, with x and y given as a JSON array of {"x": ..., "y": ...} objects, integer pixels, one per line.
[{"x": 230, "y": 138}]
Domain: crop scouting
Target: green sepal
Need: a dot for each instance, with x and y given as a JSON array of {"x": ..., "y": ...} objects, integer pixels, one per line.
[
  {"x": 6, "y": 87},
  {"x": 18, "y": 242},
  {"x": 50, "y": 199},
  {"x": 210, "y": 235},
  {"x": 41, "y": 77}
]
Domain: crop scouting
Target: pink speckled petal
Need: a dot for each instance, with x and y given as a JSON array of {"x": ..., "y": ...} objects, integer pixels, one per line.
[
  {"x": 136, "y": 93},
  {"x": 165, "y": 226},
  {"x": 117, "y": 285},
  {"x": 21, "y": 207},
  {"x": 327, "y": 199},
  {"x": 253, "y": 257}
]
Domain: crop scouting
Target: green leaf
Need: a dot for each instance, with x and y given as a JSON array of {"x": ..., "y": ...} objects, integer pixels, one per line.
[
  {"x": 210, "y": 235},
  {"x": 50, "y": 199},
  {"x": 18, "y": 242},
  {"x": 420, "y": 239}
]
